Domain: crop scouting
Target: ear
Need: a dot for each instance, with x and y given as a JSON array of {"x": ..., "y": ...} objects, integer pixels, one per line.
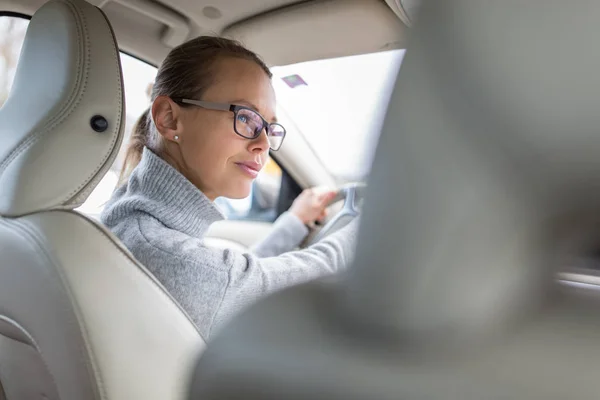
[{"x": 167, "y": 118}]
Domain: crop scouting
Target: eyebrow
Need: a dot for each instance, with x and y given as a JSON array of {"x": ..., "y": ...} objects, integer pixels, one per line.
[{"x": 252, "y": 106}]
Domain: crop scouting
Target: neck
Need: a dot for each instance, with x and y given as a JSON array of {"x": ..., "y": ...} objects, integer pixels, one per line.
[
  {"x": 156, "y": 188},
  {"x": 175, "y": 159}
]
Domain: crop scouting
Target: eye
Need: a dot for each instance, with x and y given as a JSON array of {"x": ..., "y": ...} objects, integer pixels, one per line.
[{"x": 250, "y": 118}]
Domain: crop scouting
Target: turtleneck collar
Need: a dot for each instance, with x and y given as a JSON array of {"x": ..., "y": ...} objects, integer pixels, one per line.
[{"x": 158, "y": 189}]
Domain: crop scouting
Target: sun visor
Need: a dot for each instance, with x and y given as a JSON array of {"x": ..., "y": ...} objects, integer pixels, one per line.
[
  {"x": 406, "y": 10},
  {"x": 321, "y": 29}
]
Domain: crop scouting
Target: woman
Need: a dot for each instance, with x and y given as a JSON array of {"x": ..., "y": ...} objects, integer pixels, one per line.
[{"x": 208, "y": 133}]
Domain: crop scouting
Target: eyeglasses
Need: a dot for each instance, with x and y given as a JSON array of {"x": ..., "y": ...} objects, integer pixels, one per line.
[{"x": 247, "y": 123}]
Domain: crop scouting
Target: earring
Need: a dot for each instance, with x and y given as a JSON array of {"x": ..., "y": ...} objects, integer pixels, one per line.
[{"x": 176, "y": 137}]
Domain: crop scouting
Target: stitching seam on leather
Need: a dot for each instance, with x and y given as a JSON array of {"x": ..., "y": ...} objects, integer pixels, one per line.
[
  {"x": 80, "y": 321},
  {"x": 115, "y": 137},
  {"x": 14, "y": 323},
  {"x": 68, "y": 106},
  {"x": 35, "y": 346},
  {"x": 27, "y": 233},
  {"x": 72, "y": 102},
  {"x": 129, "y": 257}
]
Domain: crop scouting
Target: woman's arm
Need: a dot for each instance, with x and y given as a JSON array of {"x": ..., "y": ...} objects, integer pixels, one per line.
[
  {"x": 251, "y": 277},
  {"x": 290, "y": 228},
  {"x": 287, "y": 234}
]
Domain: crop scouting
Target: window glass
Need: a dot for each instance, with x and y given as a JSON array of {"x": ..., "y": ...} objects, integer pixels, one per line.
[
  {"x": 12, "y": 32},
  {"x": 338, "y": 104}
]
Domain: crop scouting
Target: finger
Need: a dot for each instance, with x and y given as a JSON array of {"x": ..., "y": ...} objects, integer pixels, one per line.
[
  {"x": 320, "y": 191},
  {"x": 322, "y": 216},
  {"x": 306, "y": 193},
  {"x": 327, "y": 197}
]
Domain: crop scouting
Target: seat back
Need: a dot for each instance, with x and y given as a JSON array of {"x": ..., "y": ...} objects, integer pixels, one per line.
[
  {"x": 79, "y": 317},
  {"x": 484, "y": 188}
]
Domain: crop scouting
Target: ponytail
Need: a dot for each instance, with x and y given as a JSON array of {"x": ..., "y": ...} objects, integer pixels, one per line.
[{"x": 135, "y": 146}]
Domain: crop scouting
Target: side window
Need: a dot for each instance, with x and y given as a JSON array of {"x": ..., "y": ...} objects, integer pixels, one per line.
[
  {"x": 137, "y": 77},
  {"x": 261, "y": 204},
  {"x": 12, "y": 33}
]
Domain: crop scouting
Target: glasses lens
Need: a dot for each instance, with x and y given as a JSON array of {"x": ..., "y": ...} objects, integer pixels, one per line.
[
  {"x": 276, "y": 136},
  {"x": 248, "y": 123}
]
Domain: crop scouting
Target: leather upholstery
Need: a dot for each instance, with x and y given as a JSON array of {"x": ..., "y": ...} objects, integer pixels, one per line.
[
  {"x": 484, "y": 185},
  {"x": 79, "y": 317},
  {"x": 102, "y": 326},
  {"x": 68, "y": 72}
]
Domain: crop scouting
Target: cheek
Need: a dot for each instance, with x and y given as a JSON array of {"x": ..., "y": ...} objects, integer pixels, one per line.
[{"x": 212, "y": 147}]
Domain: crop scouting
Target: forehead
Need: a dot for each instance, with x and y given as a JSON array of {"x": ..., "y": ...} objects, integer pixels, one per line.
[{"x": 243, "y": 81}]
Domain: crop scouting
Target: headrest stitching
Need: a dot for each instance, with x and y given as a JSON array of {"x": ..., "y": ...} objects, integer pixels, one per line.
[
  {"x": 117, "y": 125},
  {"x": 33, "y": 232},
  {"x": 72, "y": 101},
  {"x": 59, "y": 117},
  {"x": 32, "y": 342}
]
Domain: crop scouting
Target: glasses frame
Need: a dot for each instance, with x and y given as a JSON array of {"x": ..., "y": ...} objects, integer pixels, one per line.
[{"x": 234, "y": 108}]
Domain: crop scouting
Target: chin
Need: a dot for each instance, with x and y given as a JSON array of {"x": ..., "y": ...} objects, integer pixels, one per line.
[{"x": 240, "y": 191}]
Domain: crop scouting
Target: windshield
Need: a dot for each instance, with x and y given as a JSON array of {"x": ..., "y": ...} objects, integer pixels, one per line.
[{"x": 339, "y": 104}]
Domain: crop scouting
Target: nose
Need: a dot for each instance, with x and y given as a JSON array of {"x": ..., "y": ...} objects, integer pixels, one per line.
[{"x": 260, "y": 144}]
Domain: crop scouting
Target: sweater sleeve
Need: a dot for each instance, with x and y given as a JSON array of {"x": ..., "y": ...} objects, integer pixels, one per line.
[
  {"x": 251, "y": 277},
  {"x": 287, "y": 234}
]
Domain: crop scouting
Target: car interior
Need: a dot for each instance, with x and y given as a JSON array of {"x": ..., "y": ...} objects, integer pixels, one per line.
[
  {"x": 146, "y": 30},
  {"x": 478, "y": 202}
]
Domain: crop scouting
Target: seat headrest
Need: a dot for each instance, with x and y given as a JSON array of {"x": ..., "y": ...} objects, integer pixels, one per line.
[
  {"x": 61, "y": 126},
  {"x": 485, "y": 182},
  {"x": 486, "y": 179}
]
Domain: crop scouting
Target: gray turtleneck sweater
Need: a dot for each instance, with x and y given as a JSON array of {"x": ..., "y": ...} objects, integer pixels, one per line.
[{"x": 162, "y": 218}]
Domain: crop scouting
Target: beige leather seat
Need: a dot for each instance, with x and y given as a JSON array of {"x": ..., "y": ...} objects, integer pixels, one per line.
[
  {"x": 486, "y": 183},
  {"x": 79, "y": 317}
]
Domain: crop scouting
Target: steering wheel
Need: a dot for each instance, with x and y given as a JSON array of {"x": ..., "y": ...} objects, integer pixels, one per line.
[{"x": 352, "y": 195}]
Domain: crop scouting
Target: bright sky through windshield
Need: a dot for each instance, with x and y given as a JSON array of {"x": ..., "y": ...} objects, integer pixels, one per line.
[{"x": 341, "y": 108}]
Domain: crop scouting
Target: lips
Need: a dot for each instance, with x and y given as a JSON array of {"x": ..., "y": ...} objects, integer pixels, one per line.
[{"x": 251, "y": 168}]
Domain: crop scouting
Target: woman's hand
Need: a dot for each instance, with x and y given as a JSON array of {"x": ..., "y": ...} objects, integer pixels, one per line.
[{"x": 311, "y": 205}]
